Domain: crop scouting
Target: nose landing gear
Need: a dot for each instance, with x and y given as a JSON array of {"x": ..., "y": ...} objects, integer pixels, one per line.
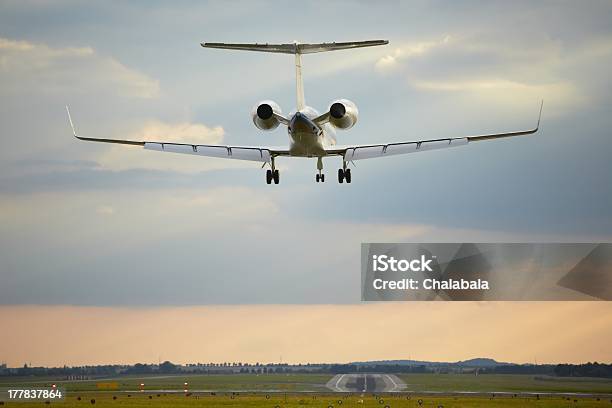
[{"x": 320, "y": 176}]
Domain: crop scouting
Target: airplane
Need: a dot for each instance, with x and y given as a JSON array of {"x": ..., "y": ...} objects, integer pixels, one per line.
[{"x": 311, "y": 134}]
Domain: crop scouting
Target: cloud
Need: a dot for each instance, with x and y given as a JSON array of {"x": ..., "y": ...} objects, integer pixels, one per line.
[
  {"x": 27, "y": 67},
  {"x": 180, "y": 133},
  {"x": 404, "y": 52},
  {"x": 209, "y": 236},
  {"x": 507, "y": 92},
  {"x": 140, "y": 217},
  {"x": 118, "y": 157},
  {"x": 175, "y": 221},
  {"x": 105, "y": 210},
  {"x": 510, "y": 71}
]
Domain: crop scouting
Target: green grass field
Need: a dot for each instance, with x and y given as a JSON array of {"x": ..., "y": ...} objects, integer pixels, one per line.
[
  {"x": 294, "y": 383},
  {"x": 502, "y": 382},
  {"x": 263, "y": 382},
  {"x": 316, "y": 382},
  {"x": 314, "y": 401}
]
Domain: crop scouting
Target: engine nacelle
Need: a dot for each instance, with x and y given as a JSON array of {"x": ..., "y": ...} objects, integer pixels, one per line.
[
  {"x": 263, "y": 115},
  {"x": 343, "y": 114}
]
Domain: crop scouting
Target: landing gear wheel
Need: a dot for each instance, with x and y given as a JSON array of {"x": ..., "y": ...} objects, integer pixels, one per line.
[
  {"x": 268, "y": 176},
  {"x": 340, "y": 176},
  {"x": 347, "y": 175},
  {"x": 320, "y": 176},
  {"x": 275, "y": 176}
]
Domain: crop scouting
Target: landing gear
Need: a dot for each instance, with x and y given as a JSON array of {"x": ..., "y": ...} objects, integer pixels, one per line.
[
  {"x": 268, "y": 176},
  {"x": 272, "y": 175},
  {"x": 344, "y": 174},
  {"x": 320, "y": 176}
]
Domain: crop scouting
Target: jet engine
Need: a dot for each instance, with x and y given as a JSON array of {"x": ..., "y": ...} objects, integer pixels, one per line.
[
  {"x": 343, "y": 114},
  {"x": 263, "y": 115}
]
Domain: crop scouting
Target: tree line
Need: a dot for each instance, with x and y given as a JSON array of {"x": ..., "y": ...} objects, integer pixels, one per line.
[{"x": 559, "y": 370}]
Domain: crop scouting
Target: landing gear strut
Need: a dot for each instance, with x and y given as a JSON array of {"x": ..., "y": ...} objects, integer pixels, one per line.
[
  {"x": 272, "y": 174},
  {"x": 344, "y": 174},
  {"x": 320, "y": 176}
]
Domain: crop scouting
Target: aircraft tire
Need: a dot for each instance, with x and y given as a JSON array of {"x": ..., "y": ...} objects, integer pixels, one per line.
[{"x": 268, "y": 176}]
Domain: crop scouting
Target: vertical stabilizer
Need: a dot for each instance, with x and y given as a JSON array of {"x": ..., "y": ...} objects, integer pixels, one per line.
[
  {"x": 298, "y": 49},
  {"x": 299, "y": 83}
]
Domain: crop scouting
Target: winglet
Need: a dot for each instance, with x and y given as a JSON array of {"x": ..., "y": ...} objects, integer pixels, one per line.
[
  {"x": 70, "y": 120},
  {"x": 95, "y": 139},
  {"x": 540, "y": 115}
]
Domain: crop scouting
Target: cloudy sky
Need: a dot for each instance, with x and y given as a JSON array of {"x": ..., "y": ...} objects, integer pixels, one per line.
[{"x": 88, "y": 225}]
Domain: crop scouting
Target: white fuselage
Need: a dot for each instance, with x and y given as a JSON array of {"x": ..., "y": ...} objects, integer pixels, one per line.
[{"x": 308, "y": 139}]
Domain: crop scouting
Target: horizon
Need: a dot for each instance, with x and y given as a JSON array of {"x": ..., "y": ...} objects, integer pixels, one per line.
[
  {"x": 300, "y": 333},
  {"x": 261, "y": 364}
]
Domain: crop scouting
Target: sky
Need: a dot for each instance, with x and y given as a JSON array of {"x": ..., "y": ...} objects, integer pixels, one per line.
[{"x": 88, "y": 226}]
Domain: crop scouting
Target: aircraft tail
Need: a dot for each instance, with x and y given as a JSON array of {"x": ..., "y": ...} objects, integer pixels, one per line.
[{"x": 297, "y": 49}]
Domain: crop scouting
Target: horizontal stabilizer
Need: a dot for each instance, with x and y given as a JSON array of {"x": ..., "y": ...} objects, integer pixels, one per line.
[{"x": 295, "y": 47}]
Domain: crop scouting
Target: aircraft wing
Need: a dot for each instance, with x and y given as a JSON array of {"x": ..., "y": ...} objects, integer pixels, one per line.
[
  {"x": 250, "y": 153},
  {"x": 371, "y": 151}
]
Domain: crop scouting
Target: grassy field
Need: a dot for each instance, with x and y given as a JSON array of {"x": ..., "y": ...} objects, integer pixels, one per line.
[
  {"x": 316, "y": 383},
  {"x": 263, "y": 382},
  {"x": 314, "y": 401},
  {"x": 501, "y": 382}
]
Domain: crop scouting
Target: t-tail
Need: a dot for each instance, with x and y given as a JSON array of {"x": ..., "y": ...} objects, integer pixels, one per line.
[{"x": 297, "y": 49}]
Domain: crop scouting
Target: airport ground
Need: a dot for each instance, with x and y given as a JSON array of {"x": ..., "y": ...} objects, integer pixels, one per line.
[
  {"x": 278, "y": 400},
  {"x": 316, "y": 390},
  {"x": 319, "y": 383}
]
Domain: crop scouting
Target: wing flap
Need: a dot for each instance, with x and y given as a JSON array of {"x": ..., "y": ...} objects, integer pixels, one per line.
[
  {"x": 392, "y": 149},
  {"x": 259, "y": 154}
]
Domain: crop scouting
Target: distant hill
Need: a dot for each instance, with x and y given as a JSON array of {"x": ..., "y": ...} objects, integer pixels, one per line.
[
  {"x": 481, "y": 362},
  {"x": 474, "y": 362}
]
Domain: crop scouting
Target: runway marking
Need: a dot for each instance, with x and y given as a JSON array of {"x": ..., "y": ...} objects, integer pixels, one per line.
[
  {"x": 365, "y": 382},
  {"x": 338, "y": 382},
  {"x": 394, "y": 384}
]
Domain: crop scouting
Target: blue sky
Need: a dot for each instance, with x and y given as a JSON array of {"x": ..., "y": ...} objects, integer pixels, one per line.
[{"x": 89, "y": 224}]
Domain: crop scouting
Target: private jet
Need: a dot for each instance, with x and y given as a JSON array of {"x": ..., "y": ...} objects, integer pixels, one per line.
[{"x": 311, "y": 134}]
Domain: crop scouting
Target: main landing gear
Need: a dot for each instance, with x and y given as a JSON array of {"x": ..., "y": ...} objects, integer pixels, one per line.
[
  {"x": 344, "y": 174},
  {"x": 272, "y": 175}
]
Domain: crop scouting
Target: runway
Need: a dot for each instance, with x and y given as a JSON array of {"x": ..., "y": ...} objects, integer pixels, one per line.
[{"x": 365, "y": 383}]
